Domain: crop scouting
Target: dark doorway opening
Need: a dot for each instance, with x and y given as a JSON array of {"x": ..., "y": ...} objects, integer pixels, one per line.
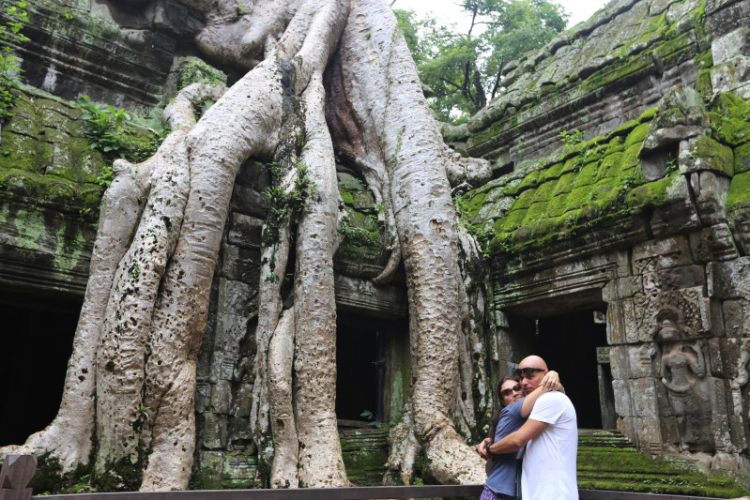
[
  {"x": 360, "y": 362},
  {"x": 37, "y": 342},
  {"x": 569, "y": 345}
]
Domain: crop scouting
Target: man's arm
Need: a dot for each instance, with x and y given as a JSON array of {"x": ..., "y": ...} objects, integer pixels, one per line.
[
  {"x": 515, "y": 440},
  {"x": 482, "y": 448}
]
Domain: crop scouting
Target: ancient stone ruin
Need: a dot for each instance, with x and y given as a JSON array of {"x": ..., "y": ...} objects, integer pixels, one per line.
[{"x": 615, "y": 227}]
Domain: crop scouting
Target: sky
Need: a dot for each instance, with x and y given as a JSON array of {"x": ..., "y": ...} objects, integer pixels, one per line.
[{"x": 449, "y": 12}]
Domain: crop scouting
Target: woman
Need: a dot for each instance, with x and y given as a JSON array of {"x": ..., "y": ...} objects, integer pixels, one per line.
[{"x": 501, "y": 479}]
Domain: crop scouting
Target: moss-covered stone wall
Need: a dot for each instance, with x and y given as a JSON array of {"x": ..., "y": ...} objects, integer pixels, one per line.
[{"x": 49, "y": 196}]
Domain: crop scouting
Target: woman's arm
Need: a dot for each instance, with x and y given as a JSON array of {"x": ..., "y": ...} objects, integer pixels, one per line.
[{"x": 550, "y": 382}]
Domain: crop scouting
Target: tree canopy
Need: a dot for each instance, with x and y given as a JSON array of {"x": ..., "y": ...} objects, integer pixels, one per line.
[{"x": 463, "y": 70}]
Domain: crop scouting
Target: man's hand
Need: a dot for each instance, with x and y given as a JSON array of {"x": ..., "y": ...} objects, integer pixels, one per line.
[
  {"x": 482, "y": 448},
  {"x": 515, "y": 440}
]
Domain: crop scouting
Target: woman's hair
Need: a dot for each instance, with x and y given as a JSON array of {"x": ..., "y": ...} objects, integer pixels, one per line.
[{"x": 496, "y": 417}]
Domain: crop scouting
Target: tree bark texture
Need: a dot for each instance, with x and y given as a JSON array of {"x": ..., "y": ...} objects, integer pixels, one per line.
[{"x": 322, "y": 76}]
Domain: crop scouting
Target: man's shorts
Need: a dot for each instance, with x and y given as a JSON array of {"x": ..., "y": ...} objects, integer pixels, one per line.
[{"x": 488, "y": 494}]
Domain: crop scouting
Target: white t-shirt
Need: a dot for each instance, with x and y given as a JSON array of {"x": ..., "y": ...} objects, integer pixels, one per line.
[{"x": 549, "y": 463}]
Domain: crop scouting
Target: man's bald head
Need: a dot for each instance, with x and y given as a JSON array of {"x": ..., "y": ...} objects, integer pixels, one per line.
[
  {"x": 532, "y": 370},
  {"x": 533, "y": 361}
]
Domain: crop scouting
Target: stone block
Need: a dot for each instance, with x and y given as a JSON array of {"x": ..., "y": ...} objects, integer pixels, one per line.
[
  {"x": 704, "y": 155},
  {"x": 640, "y": 360},
  {"x": 660, "y": 254},
  {"x": 731, "y": 45},
  {"x": 730, "y": 279},
  {"x": 711, "y": 189},
  {"x": 231, "y": 330},
  {"x": 214, "y": 431},
  {"x": 742, "y": 158},
  {"x": 241, "y": 264},
  {"x": 245, "y": 230},
  {"x": 202, "y": 396},
  {"x": 734, "y": 317},
  {"x": 676, "y": 217},
  {"x": 638, "y": 323},
  {"x": 732, "y": 76},
  {"x": 616, "y": 323},
  {"x": 223, "y": 365},
  {"x": 221, "y": 397},
  {"x": 718, "y": 392},
  {"x": 623, "y": 404},
  {"x": 248, "y": 201},
  {"x": 674, "y": 279},
  {"x": 714, "y": 358},
  {"x": 643, "y": 394},
  {"x": 629, "y": 426},
  {"x": 725, "y": 462},
  {"x": 649, "y": 433},
  {"x": 739, "y": 431},
  {"x": 622, "y": 288},
  {"x": 243, "y": 401},
  {"x": 714, "y": 243},
  {"x": 619, "y": 362},
  {"x": 236, "y": 297},
  {"x": 669, "y": 435}
]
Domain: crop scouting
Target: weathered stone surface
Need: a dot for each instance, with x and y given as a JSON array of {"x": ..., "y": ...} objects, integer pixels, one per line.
[
  {"x": 240, "y": 264},
  {"x": 364, "y": 297},
  {"x": 245, "y": 231},
  {"x": 661, "y": 254},
  {"x": 622, "y": 288},
  {"x": 729, "y": 280},
  {"x": 713, "y": 243},
  {"x": 681, "y": 114},
  {"x": 641, "y": 361},
  {"x": 623, "y": 404}
]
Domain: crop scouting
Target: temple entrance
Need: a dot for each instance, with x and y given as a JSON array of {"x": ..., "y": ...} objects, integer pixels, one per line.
[
  {"x": 360, "y": 360},
  {"x": 36, "y": 345},
  {"x": 569, "y": 344}
]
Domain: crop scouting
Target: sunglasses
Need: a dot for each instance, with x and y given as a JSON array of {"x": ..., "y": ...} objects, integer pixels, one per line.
[
  {"x": 528, "y": 372},
  {"x": 510, "y": 390}
]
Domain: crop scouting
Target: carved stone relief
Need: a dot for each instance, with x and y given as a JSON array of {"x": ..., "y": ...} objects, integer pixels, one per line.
[{"x": 680, "y": 366}]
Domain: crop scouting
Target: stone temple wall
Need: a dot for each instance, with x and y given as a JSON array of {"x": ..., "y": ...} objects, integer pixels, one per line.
[{"x": 644, "y": 214}]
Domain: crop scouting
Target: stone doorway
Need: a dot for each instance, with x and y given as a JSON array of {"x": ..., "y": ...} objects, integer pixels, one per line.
[
  {"x": 569, "y": 342},
  {"x": 361, "y": 369},
  {"x": 35, "y": 346}
]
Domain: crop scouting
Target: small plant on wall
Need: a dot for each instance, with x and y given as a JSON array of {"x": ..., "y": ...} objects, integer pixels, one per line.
[
  {"x": 10, "y": 65},
  {"x": 108, "y": 132}
]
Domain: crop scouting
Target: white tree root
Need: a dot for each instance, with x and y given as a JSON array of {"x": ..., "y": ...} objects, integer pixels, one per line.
[
  {"x": 147, "y": 301},
  {"x": 320, "y": 461}
]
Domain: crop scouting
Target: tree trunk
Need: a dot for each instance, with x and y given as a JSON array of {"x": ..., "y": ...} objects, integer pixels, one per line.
[{"x": 132, "y": 377}]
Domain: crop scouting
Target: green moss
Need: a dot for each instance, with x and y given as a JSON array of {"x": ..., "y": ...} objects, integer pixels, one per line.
[
  {"x": 608, "y": 167},
  {"x": 195, "y": 70},
  {"x": 730, "y": 119},
  {"x": 565, "y": 184},
  {"x": 739, "y": 192},
  {"x": 707, "y": 154},
  {"x": 627, "y": 127},
  {"x": 647, "y": 115},
  {"x": 624, "y": 469},
  {"x": 742, "y": 159},
  {"x": 551, "y": 173},
  {"x": 637, "y": 135}
]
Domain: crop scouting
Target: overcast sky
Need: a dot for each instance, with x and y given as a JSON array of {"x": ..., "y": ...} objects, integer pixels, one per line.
[{"x": 449, "y": 12}]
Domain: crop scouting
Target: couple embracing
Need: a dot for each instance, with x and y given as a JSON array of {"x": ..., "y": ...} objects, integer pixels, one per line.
[{"x": 535, "y": 432}]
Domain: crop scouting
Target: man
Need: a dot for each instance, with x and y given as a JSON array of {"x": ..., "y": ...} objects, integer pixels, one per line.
[{"x": 551, "y": 431}]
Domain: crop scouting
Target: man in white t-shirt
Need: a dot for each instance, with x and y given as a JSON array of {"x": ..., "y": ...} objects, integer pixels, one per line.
[{"x": 549, "y": 462}]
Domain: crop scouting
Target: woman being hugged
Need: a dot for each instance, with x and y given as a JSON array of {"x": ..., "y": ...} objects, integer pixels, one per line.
[{"x": 514, "y": 409}]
